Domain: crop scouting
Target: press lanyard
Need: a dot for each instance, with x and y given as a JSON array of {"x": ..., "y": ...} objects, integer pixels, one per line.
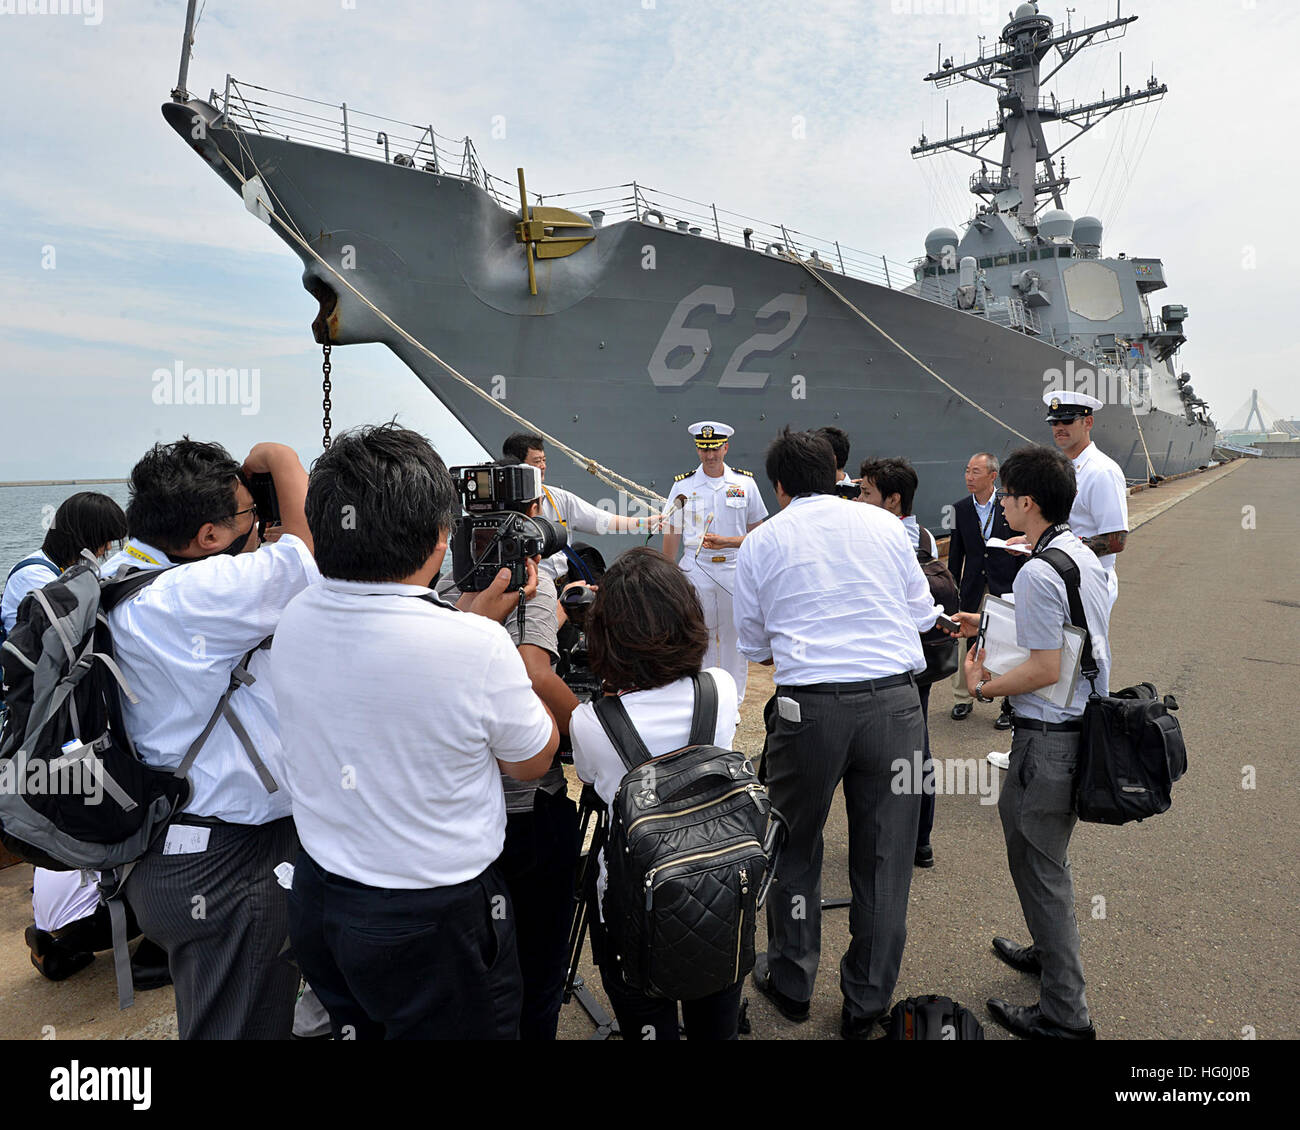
[
  {"x": 140, "y": 555},
  {"x": 555, "y": 508},
  {"x": 987, "y": 528},
  {"x": 1044, "y": 541}
]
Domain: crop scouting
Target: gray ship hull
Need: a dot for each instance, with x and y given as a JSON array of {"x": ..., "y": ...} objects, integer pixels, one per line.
[{"x": 622, "y": 348}]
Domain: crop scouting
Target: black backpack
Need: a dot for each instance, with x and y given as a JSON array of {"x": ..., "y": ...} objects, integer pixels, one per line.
[
  {"x": 941, "y": 654},
  {"x": 692, "y": 844},
  {"x": 933, "y": 1018},
  {"x": 1131, "y": 750}
]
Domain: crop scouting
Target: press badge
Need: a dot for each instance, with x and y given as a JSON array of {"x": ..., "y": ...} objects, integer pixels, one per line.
[
  {"x": 788, "y": 709},
  {"x": 185, "y": 839}
]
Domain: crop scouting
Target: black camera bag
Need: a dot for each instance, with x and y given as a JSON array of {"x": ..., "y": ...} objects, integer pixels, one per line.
[
  {"x": 940, "y": 649},
  {"x": 932, "y": 1017},
  {"x": 692, "y": 844},
  {"x": 1131, "y": 751}
]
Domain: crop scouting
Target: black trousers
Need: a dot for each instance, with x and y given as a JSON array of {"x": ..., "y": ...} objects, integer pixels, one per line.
[
  {"x": 223, "y": 920},
  {"x": 926, "y": 825},
  {"x": 539, "y": 863},
  {"x": 640, "y": 1017},
  {"x": 431, "y": 964}
]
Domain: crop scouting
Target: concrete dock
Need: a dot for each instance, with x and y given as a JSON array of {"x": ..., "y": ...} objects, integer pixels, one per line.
[{"x": 1188, "y": 920}]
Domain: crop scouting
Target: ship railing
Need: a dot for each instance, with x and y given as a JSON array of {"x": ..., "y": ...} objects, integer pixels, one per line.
[
  {"x": 694, "y": 218},
  {"x": 325, "y": 125},
  {"x": 1009, "y": 311}
]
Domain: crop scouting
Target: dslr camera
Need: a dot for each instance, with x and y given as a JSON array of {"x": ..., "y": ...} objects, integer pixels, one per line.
[{"x": 496, "y": 532}]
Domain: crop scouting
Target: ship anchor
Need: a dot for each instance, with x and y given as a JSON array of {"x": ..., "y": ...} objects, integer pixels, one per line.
[{"x": 548, "y": 233}]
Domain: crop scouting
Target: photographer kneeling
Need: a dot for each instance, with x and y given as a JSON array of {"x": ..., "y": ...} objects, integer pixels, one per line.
[
  {"x": 397, "y": 711},
  {"x": 646, "y": 638}
]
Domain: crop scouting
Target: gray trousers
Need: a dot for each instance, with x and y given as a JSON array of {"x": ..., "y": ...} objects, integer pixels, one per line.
[
  {"x": 224, "y": 922},
  {"x": 1038, "y": 817},
  {"x": 854, "y": 737}
]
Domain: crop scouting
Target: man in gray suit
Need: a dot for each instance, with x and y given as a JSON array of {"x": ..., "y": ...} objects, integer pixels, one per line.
[{"x": 833, "y": 597}]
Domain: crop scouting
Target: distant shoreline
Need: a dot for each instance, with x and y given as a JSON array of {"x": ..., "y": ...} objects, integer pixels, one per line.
[{"x": 59, "y": 482}]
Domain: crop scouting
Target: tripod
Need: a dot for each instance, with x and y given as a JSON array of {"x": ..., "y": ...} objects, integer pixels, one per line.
[{"x": 590, "y": 807}]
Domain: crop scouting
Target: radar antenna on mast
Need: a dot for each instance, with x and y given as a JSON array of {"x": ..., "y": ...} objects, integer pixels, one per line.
[{"x": 1014, "y": 70}]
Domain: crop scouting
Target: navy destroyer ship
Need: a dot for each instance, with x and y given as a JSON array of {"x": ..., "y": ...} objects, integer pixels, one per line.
[{"x": 614, "y": 321}]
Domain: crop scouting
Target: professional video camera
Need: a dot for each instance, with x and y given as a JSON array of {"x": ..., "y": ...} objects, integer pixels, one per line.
[
  {"x": 849, "y": 491},
  {"x": 495, "y": 534}
]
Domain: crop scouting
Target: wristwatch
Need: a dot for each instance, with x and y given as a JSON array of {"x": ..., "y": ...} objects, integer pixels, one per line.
[{"x": 979, "y": 692}]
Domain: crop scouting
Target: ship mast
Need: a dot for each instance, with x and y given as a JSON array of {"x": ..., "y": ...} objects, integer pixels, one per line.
[{"x": 1013, "y": 68}]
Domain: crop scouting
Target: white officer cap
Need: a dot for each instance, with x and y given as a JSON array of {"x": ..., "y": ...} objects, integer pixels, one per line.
[
  {"x": 709, "y": 433},
  {"x": 1065, "y": 406}
]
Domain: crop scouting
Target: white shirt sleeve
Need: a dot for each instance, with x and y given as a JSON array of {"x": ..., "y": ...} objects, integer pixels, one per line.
[
  {"x": 757, "y": 510},
  {"x": 916, "y": 588},
  {"x": 580, "y": 514},
  {"x": 752, "y": 639},
  {"x": 518, "y": 726},
  {"x": 1107, "y": 500},
  {"x": 241, "y": 598},
  {"x": 20, "y": 584}
]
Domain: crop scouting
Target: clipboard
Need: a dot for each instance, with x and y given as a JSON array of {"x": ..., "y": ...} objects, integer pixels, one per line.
[{"x": 1002, "y": 653}]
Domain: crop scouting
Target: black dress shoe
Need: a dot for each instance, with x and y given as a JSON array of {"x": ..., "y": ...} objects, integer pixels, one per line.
[
  {"x": 961, "y": 710},
  {"x": 1029, "y": 1023},
  {"x": 1023, "y": 958},
  {"x": 924, "y": 857},
  {"x": 1004, "y": 721},
  {"x": 851, "y": 1029},
  {"x": 791, "y": 1009},
  {"x": 51, "y": 960}
]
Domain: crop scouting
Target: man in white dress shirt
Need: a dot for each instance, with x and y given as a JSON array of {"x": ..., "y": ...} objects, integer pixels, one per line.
[
  {"x": 566, "y": 508},
  {"x": 833, "y": 596},
  {"x": 208, "y": 894},
  {"x": 710, "y": 512},
  {"x": 1099, "y": 517}
]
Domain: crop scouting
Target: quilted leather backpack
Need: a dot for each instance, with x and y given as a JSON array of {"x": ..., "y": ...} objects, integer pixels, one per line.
[{"x": 692, "y": 844}]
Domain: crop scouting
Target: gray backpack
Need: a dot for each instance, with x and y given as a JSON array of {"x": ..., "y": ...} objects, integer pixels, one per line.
[{"x": 74, "y": 793}]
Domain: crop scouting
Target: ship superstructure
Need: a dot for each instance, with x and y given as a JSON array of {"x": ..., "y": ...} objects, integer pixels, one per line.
[{"x": 613, "y": 322}]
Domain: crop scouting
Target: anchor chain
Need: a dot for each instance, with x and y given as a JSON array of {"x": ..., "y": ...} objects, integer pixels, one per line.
[{"x": 325, "y": 389}]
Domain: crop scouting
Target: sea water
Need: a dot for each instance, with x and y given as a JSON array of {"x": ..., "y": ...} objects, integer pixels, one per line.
[{"x": 27, "y": 511}]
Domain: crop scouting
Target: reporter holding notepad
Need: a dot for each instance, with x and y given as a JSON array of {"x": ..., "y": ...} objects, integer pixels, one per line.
[{"x": 1036, "y": 805}]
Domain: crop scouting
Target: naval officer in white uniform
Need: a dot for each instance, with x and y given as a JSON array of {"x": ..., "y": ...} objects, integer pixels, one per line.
[
  {"x": 710, "y": 510},
  {"x": 1099, "y": 517}
]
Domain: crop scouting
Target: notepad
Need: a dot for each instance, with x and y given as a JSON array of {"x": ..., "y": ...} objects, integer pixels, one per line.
[
  {"x": 998, "y": 543},
  {"x": 1002, "y": 653}
]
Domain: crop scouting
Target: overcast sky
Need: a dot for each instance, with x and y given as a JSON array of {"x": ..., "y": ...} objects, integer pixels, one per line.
[{"x": 121, "y": 253}]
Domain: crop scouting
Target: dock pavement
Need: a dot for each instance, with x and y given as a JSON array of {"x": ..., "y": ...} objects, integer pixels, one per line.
[{"x": 1188, "y": 920}]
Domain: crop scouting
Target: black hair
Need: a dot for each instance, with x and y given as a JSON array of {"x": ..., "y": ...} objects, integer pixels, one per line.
[
  {"x": 892, "y": 476},
  {"x": 646, "y": 627},
  {"x": 87, "y": 520},
  {"x": 378, "y": 501},
  {"x": 1045, "y": 475},
  {"x": 521, "y": 443},
  {"x": 839, "y": 441},
  {"x": 802, "y": 462},
  {"x": 179, "y": 487}
]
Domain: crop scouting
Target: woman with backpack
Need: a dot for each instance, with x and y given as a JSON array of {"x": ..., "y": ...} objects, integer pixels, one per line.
[
  {"x": 646, "y": 640},
  {"x": 87, "y": 520}
]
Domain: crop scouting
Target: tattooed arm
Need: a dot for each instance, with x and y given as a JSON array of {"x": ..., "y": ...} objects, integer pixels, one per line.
[{"x": 1103, "y": 544}]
